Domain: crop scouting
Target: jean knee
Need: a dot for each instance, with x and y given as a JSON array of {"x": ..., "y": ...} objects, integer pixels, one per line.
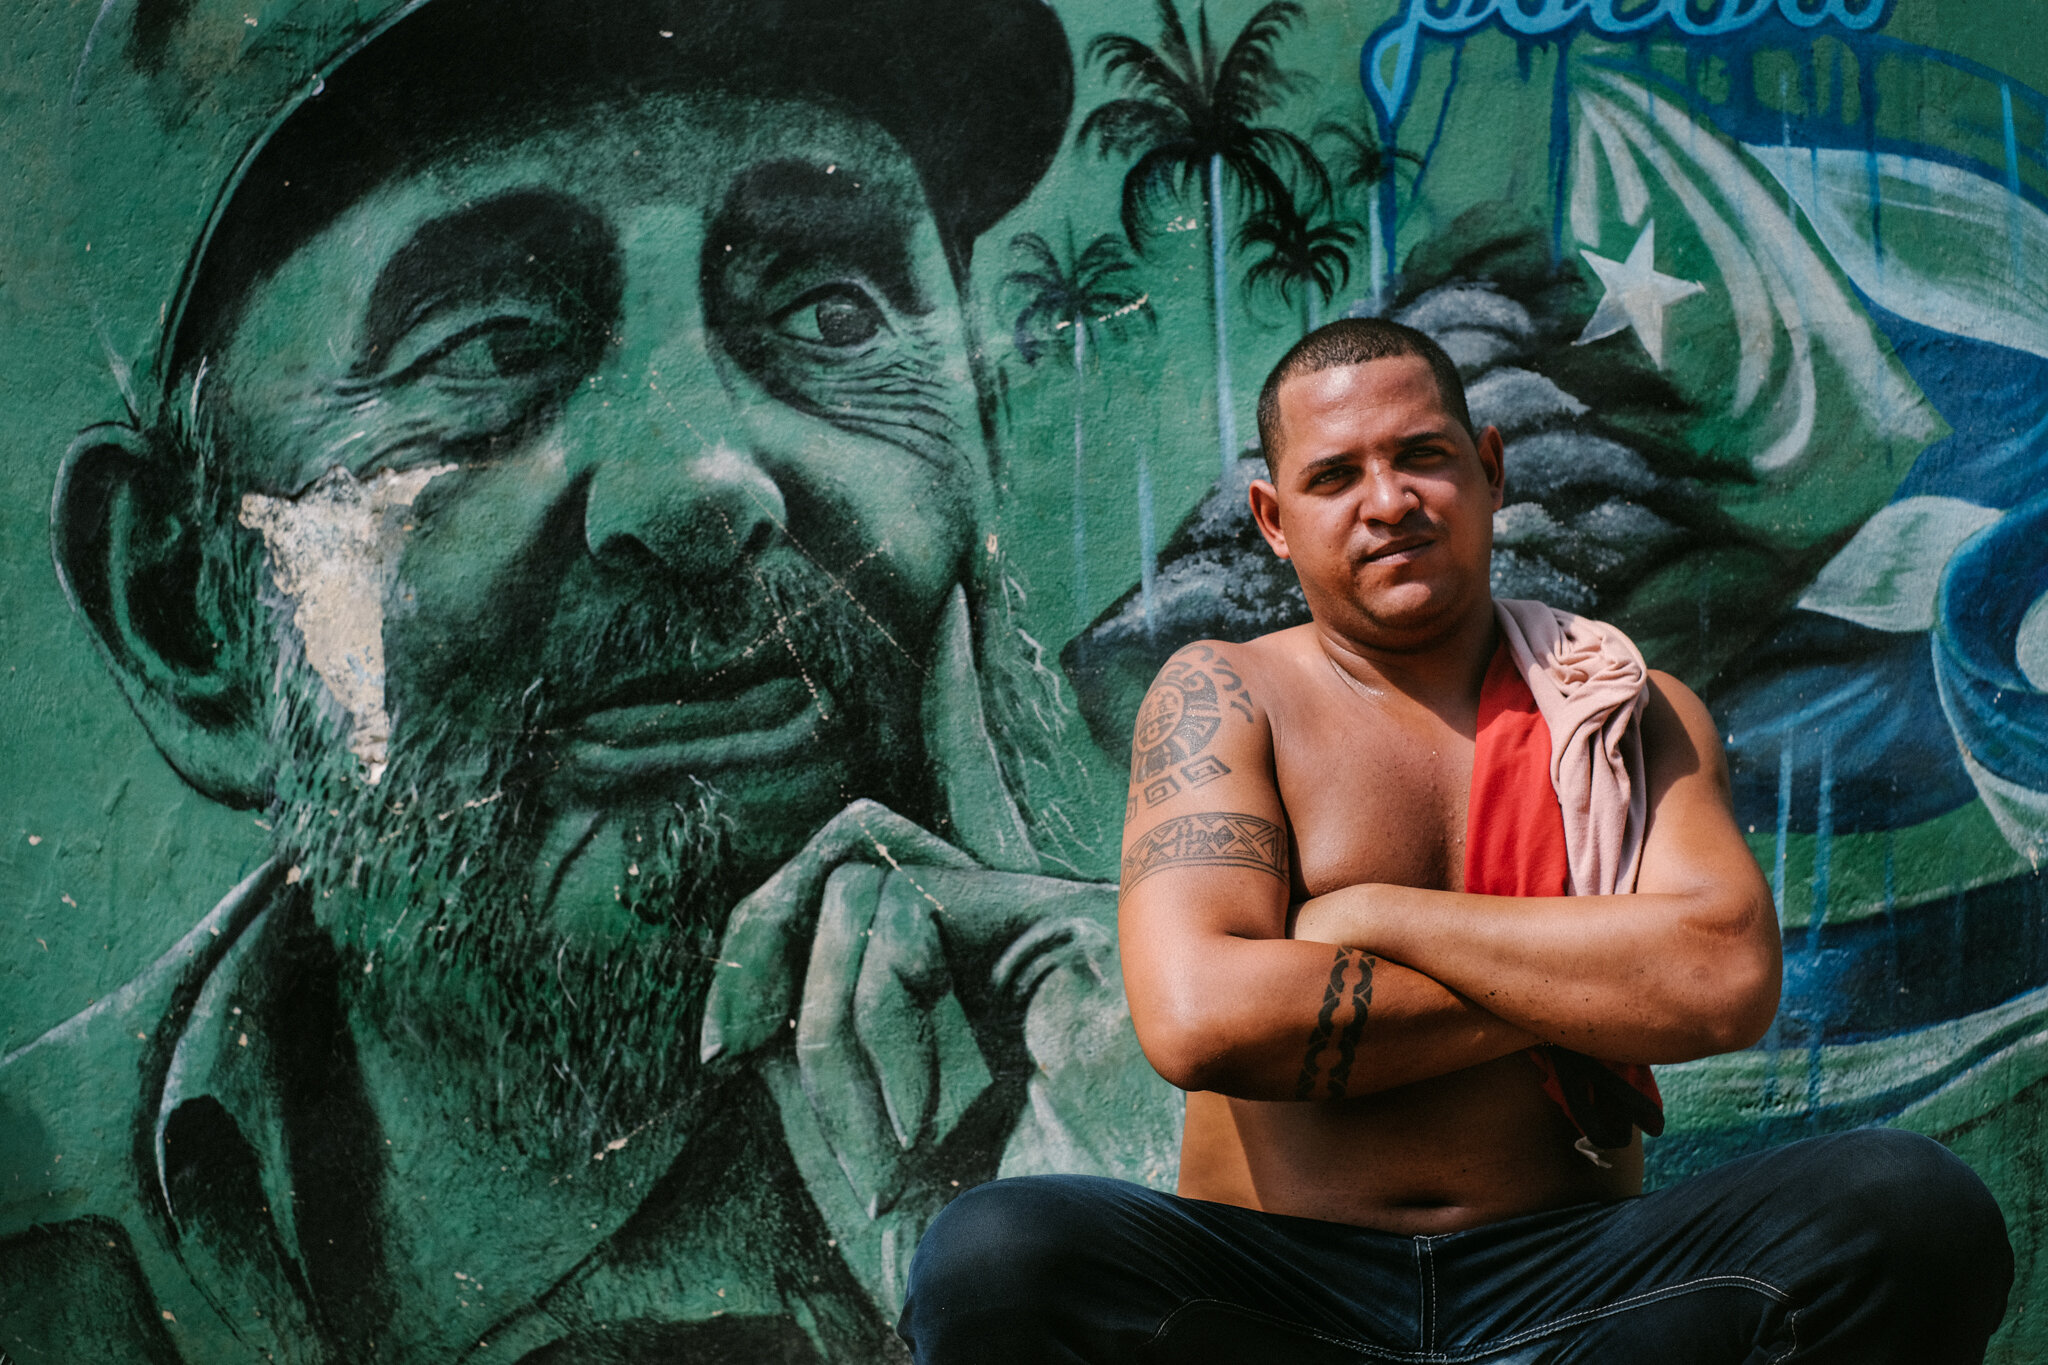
[
  {"x": 1006, "y": 1240},
  {"x": 1919, "y": 1198},
  {"x": 1004, "y": 1270},
  {"x": 1909, "y": 1180}
]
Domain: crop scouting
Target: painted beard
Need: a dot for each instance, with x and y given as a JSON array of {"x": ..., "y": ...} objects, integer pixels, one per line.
[{"x": 450, "y": 941}]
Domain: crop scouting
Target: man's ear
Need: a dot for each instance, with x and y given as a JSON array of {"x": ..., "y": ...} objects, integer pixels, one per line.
[
  {"x": 1493, "y": 458},
  {"x": 170, "y": 606},
  {"x": 1266, "y": 512}
]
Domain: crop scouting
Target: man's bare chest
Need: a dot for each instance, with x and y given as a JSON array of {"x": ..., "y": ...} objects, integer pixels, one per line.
[{"x": 1372, "y": 800}]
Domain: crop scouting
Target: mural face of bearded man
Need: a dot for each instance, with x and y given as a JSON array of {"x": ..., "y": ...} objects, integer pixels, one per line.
[
  {"x": 564, "y": 517},
  {"x": 661, "y": 422}
]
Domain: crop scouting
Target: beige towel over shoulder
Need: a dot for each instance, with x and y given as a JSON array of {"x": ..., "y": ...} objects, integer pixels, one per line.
[{"x": 1590, "y": 685}]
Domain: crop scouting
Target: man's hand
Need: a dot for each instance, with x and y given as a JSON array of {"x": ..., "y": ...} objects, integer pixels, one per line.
[
  {"x": 839, "y": 953},
  {"x": 771, "y": 931}
]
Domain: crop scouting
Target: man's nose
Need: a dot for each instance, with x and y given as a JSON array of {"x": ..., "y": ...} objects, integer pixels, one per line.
[
  {"x": 1387, "y": 496},
  {"x": 682, "y": 491}
]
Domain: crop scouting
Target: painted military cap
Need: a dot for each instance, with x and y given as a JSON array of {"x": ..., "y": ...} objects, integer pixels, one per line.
[{"x": 181, "y": 107}]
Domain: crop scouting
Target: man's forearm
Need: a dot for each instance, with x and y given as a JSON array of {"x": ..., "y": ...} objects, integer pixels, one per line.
[
  {"x": 1642, "y": 978},
  {"x": 1277, "y": 1019}
]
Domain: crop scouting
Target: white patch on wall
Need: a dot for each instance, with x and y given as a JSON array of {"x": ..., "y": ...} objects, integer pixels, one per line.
[
  {"x": 2030, "y": 646},
  {"x": 1889, "y": 574},
  {"x": 334, "y": 552},
  {"x": 1958, "y": 252}
]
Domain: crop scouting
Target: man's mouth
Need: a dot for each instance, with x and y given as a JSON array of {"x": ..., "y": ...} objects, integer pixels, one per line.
[
  {"x": 1401, "y": 550},
  {"x": 682, "y": 723}
]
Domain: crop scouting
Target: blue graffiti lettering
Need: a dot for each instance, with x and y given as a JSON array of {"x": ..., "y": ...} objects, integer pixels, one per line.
[{"x": 1388, "y": 65}]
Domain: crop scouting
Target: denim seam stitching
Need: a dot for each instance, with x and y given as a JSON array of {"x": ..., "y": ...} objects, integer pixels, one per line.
[
  {"x": 1426, "y": 1252},
  {"x": 1430, "y": 1344},
  {"x": 1626, "y": 1305},
  {"x": 1792, "y": 1327},
  {"x": 1421, "y": 1295}
]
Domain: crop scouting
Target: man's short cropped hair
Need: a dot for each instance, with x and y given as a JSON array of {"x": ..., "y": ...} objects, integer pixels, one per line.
[{"x": 1355, "y": 341}]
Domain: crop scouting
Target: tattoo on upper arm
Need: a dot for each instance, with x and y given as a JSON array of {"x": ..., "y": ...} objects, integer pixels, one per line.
[
  {"x": 1210, "y": 839},
  {"x": 1333, "y": 1045},
  {"x": 1236, "y": 695},
  {"x": 1183, "y": 711}
]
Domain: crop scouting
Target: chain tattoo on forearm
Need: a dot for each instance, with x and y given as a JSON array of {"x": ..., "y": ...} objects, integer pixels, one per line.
[
  {"x": 1333, "y": 1045},
  {"x": 1210, "y": 839}
]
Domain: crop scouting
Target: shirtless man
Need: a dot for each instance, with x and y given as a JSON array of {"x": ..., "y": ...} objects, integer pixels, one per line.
[{"x": 1295, "y": 886}]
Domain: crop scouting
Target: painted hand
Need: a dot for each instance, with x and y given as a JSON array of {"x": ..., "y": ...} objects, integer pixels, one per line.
[
  {"x": 885, "y": 1065},
  {"x": 896, "y": 966},
  {"x": 885, "y": 981}
]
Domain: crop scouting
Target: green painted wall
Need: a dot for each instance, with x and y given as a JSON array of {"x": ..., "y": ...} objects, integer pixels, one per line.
[{"x": 565, "y": 767}]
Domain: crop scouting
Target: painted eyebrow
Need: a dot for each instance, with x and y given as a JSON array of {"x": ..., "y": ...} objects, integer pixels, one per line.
[
  {"x": 785, "y": 215},
  {"x": 537, "y": 242}
]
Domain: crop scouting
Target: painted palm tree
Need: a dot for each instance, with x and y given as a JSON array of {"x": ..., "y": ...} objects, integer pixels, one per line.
[
  {"x": 1302, "y": 252},
  {"x": 1363, "y": 162},
  {"x": 1067, "y": 298},
  {"x": 1190, "y": 118}
]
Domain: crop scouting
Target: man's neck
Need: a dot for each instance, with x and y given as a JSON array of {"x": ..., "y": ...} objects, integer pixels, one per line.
[{"x": 1443, "y": 672}]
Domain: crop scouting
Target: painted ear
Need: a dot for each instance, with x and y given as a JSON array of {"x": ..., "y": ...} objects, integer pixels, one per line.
[{"x": 170, "y": 605}]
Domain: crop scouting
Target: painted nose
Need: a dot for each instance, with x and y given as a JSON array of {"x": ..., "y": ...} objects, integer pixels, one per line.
[{"x": 697, "y": 510}]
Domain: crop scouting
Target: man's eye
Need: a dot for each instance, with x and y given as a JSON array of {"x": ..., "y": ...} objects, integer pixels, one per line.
[{"x": 838, "y": 318}]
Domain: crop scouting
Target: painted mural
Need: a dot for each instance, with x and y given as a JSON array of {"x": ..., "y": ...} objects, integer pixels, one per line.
[{"x": 578, "y": 576}]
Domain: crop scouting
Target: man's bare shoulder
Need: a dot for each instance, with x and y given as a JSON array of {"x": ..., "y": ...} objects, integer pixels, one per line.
[
  {"x": 1229, "y": 702},
  {"x": 1276, "y": 660},
  {"x": 1679, "y": 734},
  {"x": 1202, "y": 728}
]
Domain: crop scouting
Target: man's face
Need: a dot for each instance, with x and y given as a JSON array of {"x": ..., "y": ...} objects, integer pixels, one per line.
[
  {"x": 1382, "y": 500},
  {"x": 660, "y": 424}
]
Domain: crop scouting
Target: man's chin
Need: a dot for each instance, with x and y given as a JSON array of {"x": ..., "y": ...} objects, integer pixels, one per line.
[
  {"x": 1412, "y": 614},
  {"x": 768, "y": 809}
]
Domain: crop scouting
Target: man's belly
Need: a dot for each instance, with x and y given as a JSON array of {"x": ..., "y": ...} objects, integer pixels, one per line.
[{"x": 1444, "y": 1154}]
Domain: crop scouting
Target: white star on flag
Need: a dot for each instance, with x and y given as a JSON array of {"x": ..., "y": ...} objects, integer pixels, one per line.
[{"x": 1636, "y": 295}]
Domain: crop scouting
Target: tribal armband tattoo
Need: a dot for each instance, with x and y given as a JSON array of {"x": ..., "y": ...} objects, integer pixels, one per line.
[
  {"x": 1210, "y": 839},
  {"x": 1333, "y": 1045}
]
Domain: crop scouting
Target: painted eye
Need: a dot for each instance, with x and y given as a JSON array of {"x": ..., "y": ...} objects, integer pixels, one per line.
[
  {"x": 839, "y": 318},
  {"x": 503, "y": 349}
]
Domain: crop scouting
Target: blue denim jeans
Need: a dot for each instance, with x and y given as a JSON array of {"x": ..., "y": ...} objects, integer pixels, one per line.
[{"x": 1865, "y": 1247}]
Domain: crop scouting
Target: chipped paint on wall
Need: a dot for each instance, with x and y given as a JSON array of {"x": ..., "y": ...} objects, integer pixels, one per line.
[{"x": 333, "y": 551}]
